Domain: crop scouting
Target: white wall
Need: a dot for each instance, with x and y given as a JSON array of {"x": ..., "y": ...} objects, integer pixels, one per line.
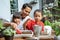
[
  {"x": 36, "y": 6},
  {"x": 5, "y": 9},
  {"x": 20, "y": 3}
]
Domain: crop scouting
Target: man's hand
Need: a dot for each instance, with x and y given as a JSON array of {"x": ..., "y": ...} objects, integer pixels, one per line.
[{"x": 6, "y": 24}]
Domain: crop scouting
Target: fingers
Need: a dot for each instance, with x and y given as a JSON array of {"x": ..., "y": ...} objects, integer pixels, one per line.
[{"x": 13, "y": 25}]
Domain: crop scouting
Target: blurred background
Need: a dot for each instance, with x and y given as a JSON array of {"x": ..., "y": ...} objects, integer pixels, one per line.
[{"x": 51, "y": 8}]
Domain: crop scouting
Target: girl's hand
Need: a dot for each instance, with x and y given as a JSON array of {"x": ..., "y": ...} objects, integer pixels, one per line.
[{"x": 14, "y": 25}]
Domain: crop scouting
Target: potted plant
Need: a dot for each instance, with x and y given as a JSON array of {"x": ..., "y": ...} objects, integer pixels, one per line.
[
  {"x": 9, "y": 33},
  {"x": 56, "y": 27},
  {"x": 1, "y": 28}
]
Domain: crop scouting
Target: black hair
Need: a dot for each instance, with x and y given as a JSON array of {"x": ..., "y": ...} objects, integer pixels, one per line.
[
  {"x": 26, "y": 5},
  {"x": 15, "y": 15},
  {"x": 43, "y": 20},
  {"x": 38, "y": 10}
]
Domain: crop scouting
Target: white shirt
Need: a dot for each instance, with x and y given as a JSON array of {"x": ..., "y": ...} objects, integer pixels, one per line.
[{"x": 20, "y": 26}]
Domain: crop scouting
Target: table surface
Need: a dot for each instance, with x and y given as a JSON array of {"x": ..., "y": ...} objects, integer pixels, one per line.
[{"x": 41, "y": 37}]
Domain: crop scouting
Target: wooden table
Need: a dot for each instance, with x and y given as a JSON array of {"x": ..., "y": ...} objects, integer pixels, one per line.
[
  {"x": 2, "y": 38},
  {"x": 42, "y": 37}
]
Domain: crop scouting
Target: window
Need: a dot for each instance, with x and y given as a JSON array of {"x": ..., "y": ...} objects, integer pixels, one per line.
[{"x": 13, "y": 6}]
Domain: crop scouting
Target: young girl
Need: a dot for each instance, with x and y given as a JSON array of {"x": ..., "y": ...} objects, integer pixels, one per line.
[
  {"x": 15, "y": 22},
  {"x": 37, "y": 16}
]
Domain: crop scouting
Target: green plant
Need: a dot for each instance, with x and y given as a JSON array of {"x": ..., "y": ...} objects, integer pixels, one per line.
[
  {"x": 47, "y": 22},
  {"x": 56, "y": 28},
  {"x": 1, "y": 25},
  {"x": 9, "y": 31}
]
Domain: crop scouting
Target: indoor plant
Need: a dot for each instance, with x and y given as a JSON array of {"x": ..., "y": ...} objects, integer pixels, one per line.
[
  {"x": 1, "y": 28},
  {"x": 7, "y": 32},
  {"x": 56, "y": 27}
]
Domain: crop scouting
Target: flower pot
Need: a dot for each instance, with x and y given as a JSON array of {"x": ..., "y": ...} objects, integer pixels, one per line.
[
  {"x": 8, "y": 37},
  {"x": 1, "y": 34}
]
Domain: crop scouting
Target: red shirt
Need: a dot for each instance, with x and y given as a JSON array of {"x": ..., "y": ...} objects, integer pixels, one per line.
[
  {"x": 31, "y": 23},
  {"x": 18, "y": 31}
]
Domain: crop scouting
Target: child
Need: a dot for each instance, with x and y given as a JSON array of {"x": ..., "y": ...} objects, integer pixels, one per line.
[
  {"x": 37, "y": 17},
  {"x": 15, "y": 23}
]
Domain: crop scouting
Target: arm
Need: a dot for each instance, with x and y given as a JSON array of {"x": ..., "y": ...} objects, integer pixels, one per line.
[
  {"x": 25, "y": 21},
  {"x": 24, "y": 25},
  {"x": 6, "y": 24},
  {"x": 14, "y": 26}
]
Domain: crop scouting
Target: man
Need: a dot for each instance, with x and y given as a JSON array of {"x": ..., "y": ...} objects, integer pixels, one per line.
[
  {"x": 24, "y": 14},
  {"x": 25, "y": 10}
]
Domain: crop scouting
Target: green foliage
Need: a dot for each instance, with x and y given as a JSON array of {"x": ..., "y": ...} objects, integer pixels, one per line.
[
  {"x": 47, "y": 12},
  {"x": 47, "y": 23},
  {"x": 57, "y": 8},
  {"x": 56, "y": 28},
  {"x": 59, "y": 2},
  {"x": 1, "y": 25},
  {"x": 9, "y": 31}
]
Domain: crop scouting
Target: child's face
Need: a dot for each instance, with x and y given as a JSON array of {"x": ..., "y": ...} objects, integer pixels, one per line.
[
  {"x": 17, "y": 20},
  {"x": 37, "y": 16}
]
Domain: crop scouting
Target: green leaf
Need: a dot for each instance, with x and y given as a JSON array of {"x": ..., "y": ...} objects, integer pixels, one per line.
[{"x": 9, "y": 31}]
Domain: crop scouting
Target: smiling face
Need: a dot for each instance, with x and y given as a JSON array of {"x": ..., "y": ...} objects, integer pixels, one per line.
[
  {"x": 17, "y": 20},
  {"x": 37, "y": 16},
  {"x": 25, "y": 12}
]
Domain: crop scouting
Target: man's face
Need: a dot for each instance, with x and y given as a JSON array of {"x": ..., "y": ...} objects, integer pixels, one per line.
[{"x": 25, "y": 12}]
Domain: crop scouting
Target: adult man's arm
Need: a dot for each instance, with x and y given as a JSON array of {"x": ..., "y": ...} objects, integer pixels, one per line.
[
  {"x": 6, "y": 24},
  {"x": 25, "y": 22}
]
